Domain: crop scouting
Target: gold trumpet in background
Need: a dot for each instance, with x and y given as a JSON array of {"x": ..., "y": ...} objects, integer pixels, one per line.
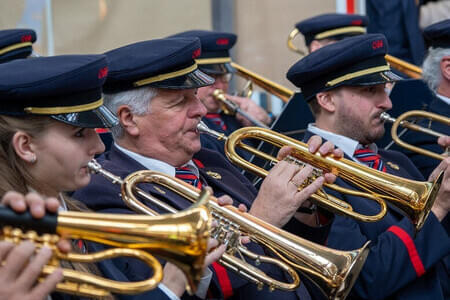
[
  {"x": 181, "y": 238},
  {"x": 333, "y": 271},
  {"x": 273, "y": 88},
  {"x": 231, "y": 108},
  {"x": 402, "y": 121},
  {"x": 413, "y": 197},
  {"x": 405, "y": 67}
]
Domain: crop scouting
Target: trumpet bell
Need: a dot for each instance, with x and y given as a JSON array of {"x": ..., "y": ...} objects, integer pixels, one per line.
[{"x": 180, "y": 238}]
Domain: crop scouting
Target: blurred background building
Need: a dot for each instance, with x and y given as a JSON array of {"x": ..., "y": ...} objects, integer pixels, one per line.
[{"x": 95, "y": 26}]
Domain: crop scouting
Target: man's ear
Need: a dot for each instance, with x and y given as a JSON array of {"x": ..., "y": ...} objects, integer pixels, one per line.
[
  {"x": 315, "y": 44},
  {"x": 24, "y": 147},
  {"x": 127, "y": 120},
  {"x": 445, "y": 67},
  {"x": 326, "y": 101}
]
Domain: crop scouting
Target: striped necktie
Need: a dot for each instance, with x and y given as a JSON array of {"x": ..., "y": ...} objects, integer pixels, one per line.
[
  {"x": 370, "y": 158},
  {"x": 185, "y": 174},
  {"x": 217, "y": 120}
]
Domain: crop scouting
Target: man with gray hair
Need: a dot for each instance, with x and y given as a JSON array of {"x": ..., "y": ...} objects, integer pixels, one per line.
[
  {"x": 152, "y": 88},
  {"x": 436, "y": 73}
]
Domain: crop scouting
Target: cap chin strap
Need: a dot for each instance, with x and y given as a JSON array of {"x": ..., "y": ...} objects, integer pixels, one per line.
[
  {"x": 357, "y": 74},
  {"x": 165, "y": 76},
  {"x": 339, "y": 31},
  {"x": 63, "y": 109}
]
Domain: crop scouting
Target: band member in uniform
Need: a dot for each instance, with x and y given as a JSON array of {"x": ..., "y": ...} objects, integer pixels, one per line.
[
  {"x": 215, "y": 61},
  {"x": 49, "y": 109},
  {"x": 344, "y": 86},
  {"x": 152, "y": 88},
  {"x": 16, "y": 43},
  {"x": 436, "y": 73},
  {"x": 325, "y": 29}
]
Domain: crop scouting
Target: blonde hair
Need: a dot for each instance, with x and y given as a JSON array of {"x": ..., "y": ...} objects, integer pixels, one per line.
[{"x": 14, "y": 174}]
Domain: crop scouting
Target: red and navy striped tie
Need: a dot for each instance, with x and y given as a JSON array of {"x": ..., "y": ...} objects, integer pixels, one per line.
[
  {"x": 217, "y": 120},
  {"x": 370, "y": 158},
  {"x": 185, "y": 174}
]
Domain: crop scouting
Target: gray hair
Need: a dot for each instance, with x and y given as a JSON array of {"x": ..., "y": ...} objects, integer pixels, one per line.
[
  {"x": 431, "y": 72},
  {"x": 138, "y": 100}
]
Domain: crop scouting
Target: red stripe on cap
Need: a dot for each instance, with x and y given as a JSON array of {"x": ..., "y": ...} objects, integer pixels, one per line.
[
  {"x": 25, "y": 38},
  {"x": 377, "y": 44},
  {"x": 196, "y": 53},
  {"x": 102, "y": 72},
  {"x": 411, "y": 247},
  {"x": 224, "y": 280},
  {"x": 101, "y": 130},
  {"x": 222, "y": 41}
]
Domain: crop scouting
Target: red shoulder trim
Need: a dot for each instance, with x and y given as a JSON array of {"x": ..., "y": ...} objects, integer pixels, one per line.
[
  {"x": 224, "y": 280},
  {"x": 416, "y": 261}
]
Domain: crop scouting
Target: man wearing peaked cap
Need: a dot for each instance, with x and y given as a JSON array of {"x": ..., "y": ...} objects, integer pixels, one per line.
[
  {"x": 436, "y": 73},
  {"x": 324, "y": 29},
  {"x": 215, "y": 61},
  {"x": 344, "y": 85},
  {"x": 152, "y": 88},
  {"x": 16, "y": 43}
]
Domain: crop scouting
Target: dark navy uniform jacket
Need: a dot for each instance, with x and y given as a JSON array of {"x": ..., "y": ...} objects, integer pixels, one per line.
[
  {"x": 102, "y": 196},
  {"x": 426, "y": 164},
  {"x": 399, "y": 266},
  {"x": 398, "y": 20}
]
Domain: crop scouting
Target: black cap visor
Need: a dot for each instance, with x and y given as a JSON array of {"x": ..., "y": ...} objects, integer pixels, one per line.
[
  {"x": 192, "y": 80},
  {"x": 217, "y": 69},
  {"x": 100, "y": 117}
]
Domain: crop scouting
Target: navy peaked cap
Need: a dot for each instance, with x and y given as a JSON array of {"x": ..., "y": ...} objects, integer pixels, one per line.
[
  {"x": 438, "y": 34},
  {"x": 16, "y": 43},
  {"x": 215, "y": 56},
  {"x": 353, "y": 61},
  {"x": 68, "y": 88},
  {"x": 161, "y": 63},
  {"x": 332, "y": 26}
]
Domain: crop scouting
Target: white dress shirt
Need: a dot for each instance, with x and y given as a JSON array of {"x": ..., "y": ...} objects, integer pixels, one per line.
[
  {"x": 348, "y": 145},
  {"x": 160, "y": 166},
  {"x": 443, "y": 98}
]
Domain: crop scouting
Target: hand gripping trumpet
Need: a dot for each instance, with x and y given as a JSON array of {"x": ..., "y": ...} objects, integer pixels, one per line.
[
  {"x": 413, "y": 197},
  {"x": 181, "y": 238},
  {"x": 333, "y": 271},
  {"x": 231, "y": 108},
  {"x": 402, "y": 121}
]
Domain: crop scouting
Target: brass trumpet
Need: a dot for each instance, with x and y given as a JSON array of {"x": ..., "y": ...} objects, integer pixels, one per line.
[
  {"x": 413, "y": 197},
  {"x": 228, "y": 234},
  {"x": 181, "y": 238},
  {"x": 405, "y": 67},
  {"x": 230, "y": 108},
  {"x": 333, "y": 271},
  {"x": 276, "y": 89},
  {"x": 402, "y": 121}
]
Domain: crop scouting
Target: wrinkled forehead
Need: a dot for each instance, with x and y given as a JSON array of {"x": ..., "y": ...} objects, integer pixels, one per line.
[{"x": 171, "y": 96}]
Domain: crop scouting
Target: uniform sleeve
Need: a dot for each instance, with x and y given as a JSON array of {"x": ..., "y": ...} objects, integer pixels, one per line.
[{"x": 394, "y": 251}]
